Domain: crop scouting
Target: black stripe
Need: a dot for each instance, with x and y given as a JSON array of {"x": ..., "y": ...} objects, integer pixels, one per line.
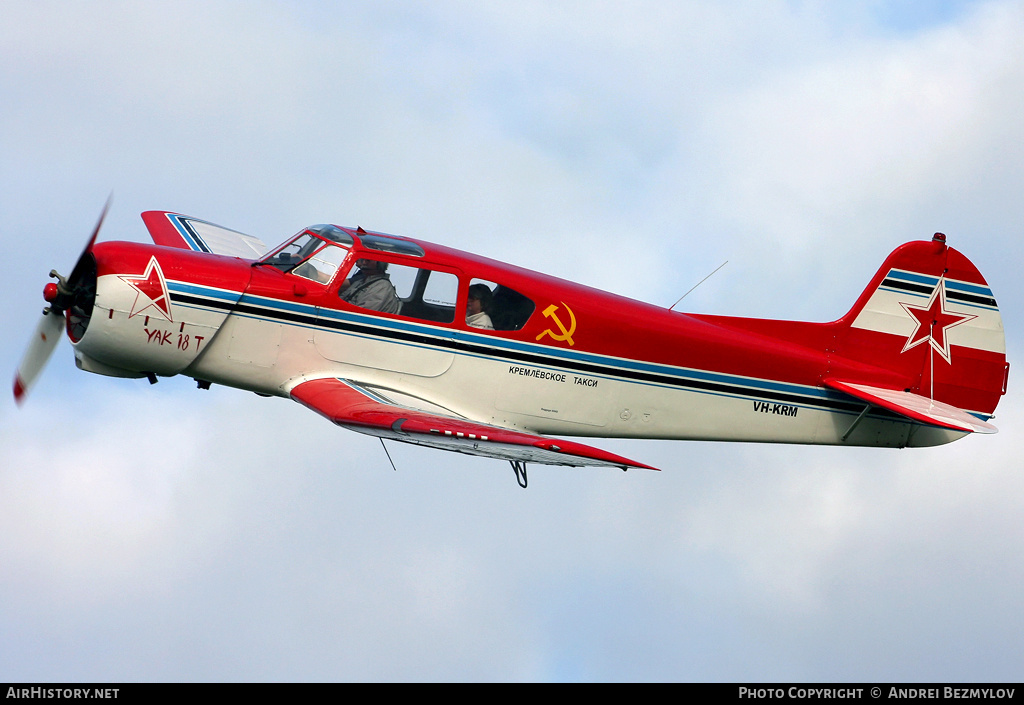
[
  {"x": 928, "y": 290},
  {"x": 546, "y": 361},
  {"x": 187, "y": 224},
  {"x": 908, "y": 286},
  {"x": 220, "y": 304},
  {"x": 971, "y": 298},
  {"x": 537, "y": 359},
  {"x": 304, "y": 319}
]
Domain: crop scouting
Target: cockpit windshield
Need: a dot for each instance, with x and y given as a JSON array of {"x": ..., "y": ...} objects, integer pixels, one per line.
[{"x": 315, "y": 253}]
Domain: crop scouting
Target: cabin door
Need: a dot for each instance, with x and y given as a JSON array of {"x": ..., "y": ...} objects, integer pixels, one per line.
[{"x": 414, "y": 339}]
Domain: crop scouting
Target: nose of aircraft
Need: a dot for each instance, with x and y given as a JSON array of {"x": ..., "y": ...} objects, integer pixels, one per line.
[{"x": 70, "y": 304}]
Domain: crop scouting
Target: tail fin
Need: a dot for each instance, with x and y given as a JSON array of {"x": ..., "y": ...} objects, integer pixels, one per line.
[{"x": 929, "y": 316}]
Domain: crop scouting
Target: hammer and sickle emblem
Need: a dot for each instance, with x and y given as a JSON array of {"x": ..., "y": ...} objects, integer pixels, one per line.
[{"x": 566, "y": 334}]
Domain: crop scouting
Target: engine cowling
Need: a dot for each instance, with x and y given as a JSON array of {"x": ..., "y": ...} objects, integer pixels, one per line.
[{"x": 153, "y": 309}]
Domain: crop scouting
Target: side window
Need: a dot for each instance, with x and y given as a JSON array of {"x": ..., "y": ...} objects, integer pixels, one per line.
[
  {"x": 426, "y": 293},
  {"x": 394, "y": 288},
  {"x": 370, "y": 287},
  {"x": 441, "y": 290},
  {"x": 494, "y": 306}
]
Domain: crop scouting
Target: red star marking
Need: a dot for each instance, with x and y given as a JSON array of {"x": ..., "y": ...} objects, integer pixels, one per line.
[
  {"x": 151, "y": 291},
  {"x": 932, "y": 322}
]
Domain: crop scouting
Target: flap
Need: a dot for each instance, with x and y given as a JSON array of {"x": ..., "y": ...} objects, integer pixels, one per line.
[
  {"x": 187, "y": 233},
  {"x": 360, "y": 408},
  {"x": 915, "y": 406}
]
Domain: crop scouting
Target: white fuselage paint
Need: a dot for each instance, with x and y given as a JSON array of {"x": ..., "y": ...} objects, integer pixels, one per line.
[{"x": 269, "y": 346}]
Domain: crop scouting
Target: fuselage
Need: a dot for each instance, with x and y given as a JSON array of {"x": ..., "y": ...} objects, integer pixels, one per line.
[{"x": 564, "y": 359}]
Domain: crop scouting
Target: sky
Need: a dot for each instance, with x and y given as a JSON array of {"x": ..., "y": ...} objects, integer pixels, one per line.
[{"x": 168, "y": 534}]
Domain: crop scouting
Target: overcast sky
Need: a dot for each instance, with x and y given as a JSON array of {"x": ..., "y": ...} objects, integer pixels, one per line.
[{"x": 163, "y": 533}]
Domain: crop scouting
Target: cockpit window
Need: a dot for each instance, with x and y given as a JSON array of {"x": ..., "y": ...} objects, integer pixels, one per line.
[
  {"x": 391, "y": 244},
  {"x": 332, "y": 233},
  {"x": 314, "y": 254}
]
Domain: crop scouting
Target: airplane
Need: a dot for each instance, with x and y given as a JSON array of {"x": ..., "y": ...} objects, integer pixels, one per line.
[{"x": 919, "y": 360}]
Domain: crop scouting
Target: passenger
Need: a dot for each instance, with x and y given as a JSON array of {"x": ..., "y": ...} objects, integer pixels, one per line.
[
  {"x": 371, "y": 288},
  {"x": 477, "y": 306}
]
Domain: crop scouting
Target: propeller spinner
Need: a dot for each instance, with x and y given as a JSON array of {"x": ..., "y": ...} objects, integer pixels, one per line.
[{"x": 70, "y": 306}]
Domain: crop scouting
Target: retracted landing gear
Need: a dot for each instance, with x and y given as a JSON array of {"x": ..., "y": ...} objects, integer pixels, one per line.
[{"x": 519, "y": 468}]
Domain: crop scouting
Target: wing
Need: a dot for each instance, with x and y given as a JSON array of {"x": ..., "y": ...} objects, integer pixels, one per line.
[
  {"x": 359, "y": 408},
  {"x": 915, "y": 407},
  {"x": 176, "y": 230}
]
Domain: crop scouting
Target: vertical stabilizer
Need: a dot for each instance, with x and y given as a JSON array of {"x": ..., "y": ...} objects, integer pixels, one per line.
[{"x": 931, "y": 317}]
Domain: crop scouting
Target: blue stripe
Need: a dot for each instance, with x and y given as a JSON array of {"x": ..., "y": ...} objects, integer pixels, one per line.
[
  {"x": 304, "y": 309},
  {"x": 954, "y": 284},
  {"x": 495, "y": 342},
  {"x": 556, "y": 355},
  {"x": 969, "y": 288},
  {"x": 913, "y": 277},
  {"x": 208, "y": 292},
  {"x": 191, "y": 240}
]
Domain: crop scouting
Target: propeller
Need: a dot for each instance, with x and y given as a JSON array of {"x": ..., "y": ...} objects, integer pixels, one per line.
[{"x": 73, "y": 294}]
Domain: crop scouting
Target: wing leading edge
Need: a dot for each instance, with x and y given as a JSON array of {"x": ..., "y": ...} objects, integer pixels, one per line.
[
  {"x": 359, "y": 408},
  {"x": 915, "y": 407}
]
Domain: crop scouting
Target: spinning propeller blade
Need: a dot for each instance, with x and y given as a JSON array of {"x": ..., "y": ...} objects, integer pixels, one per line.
[
  {"x": 61, "y": 296},
  {"x": 46, "y": 337}
]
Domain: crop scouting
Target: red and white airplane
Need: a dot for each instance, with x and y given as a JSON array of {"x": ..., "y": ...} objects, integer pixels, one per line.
[{"x": 918, "y": 361}]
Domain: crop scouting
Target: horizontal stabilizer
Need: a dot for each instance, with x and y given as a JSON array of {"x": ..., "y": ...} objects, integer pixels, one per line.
[
  {"x": 367, "y": 410},
  {"x": 915, "y": 406},
  {"x": 187, "y": 233}
]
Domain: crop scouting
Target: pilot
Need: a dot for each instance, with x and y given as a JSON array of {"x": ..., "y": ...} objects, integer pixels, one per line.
[
  {"x": 371, "y": 288},
  {"x": 477, "y": 306}
]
